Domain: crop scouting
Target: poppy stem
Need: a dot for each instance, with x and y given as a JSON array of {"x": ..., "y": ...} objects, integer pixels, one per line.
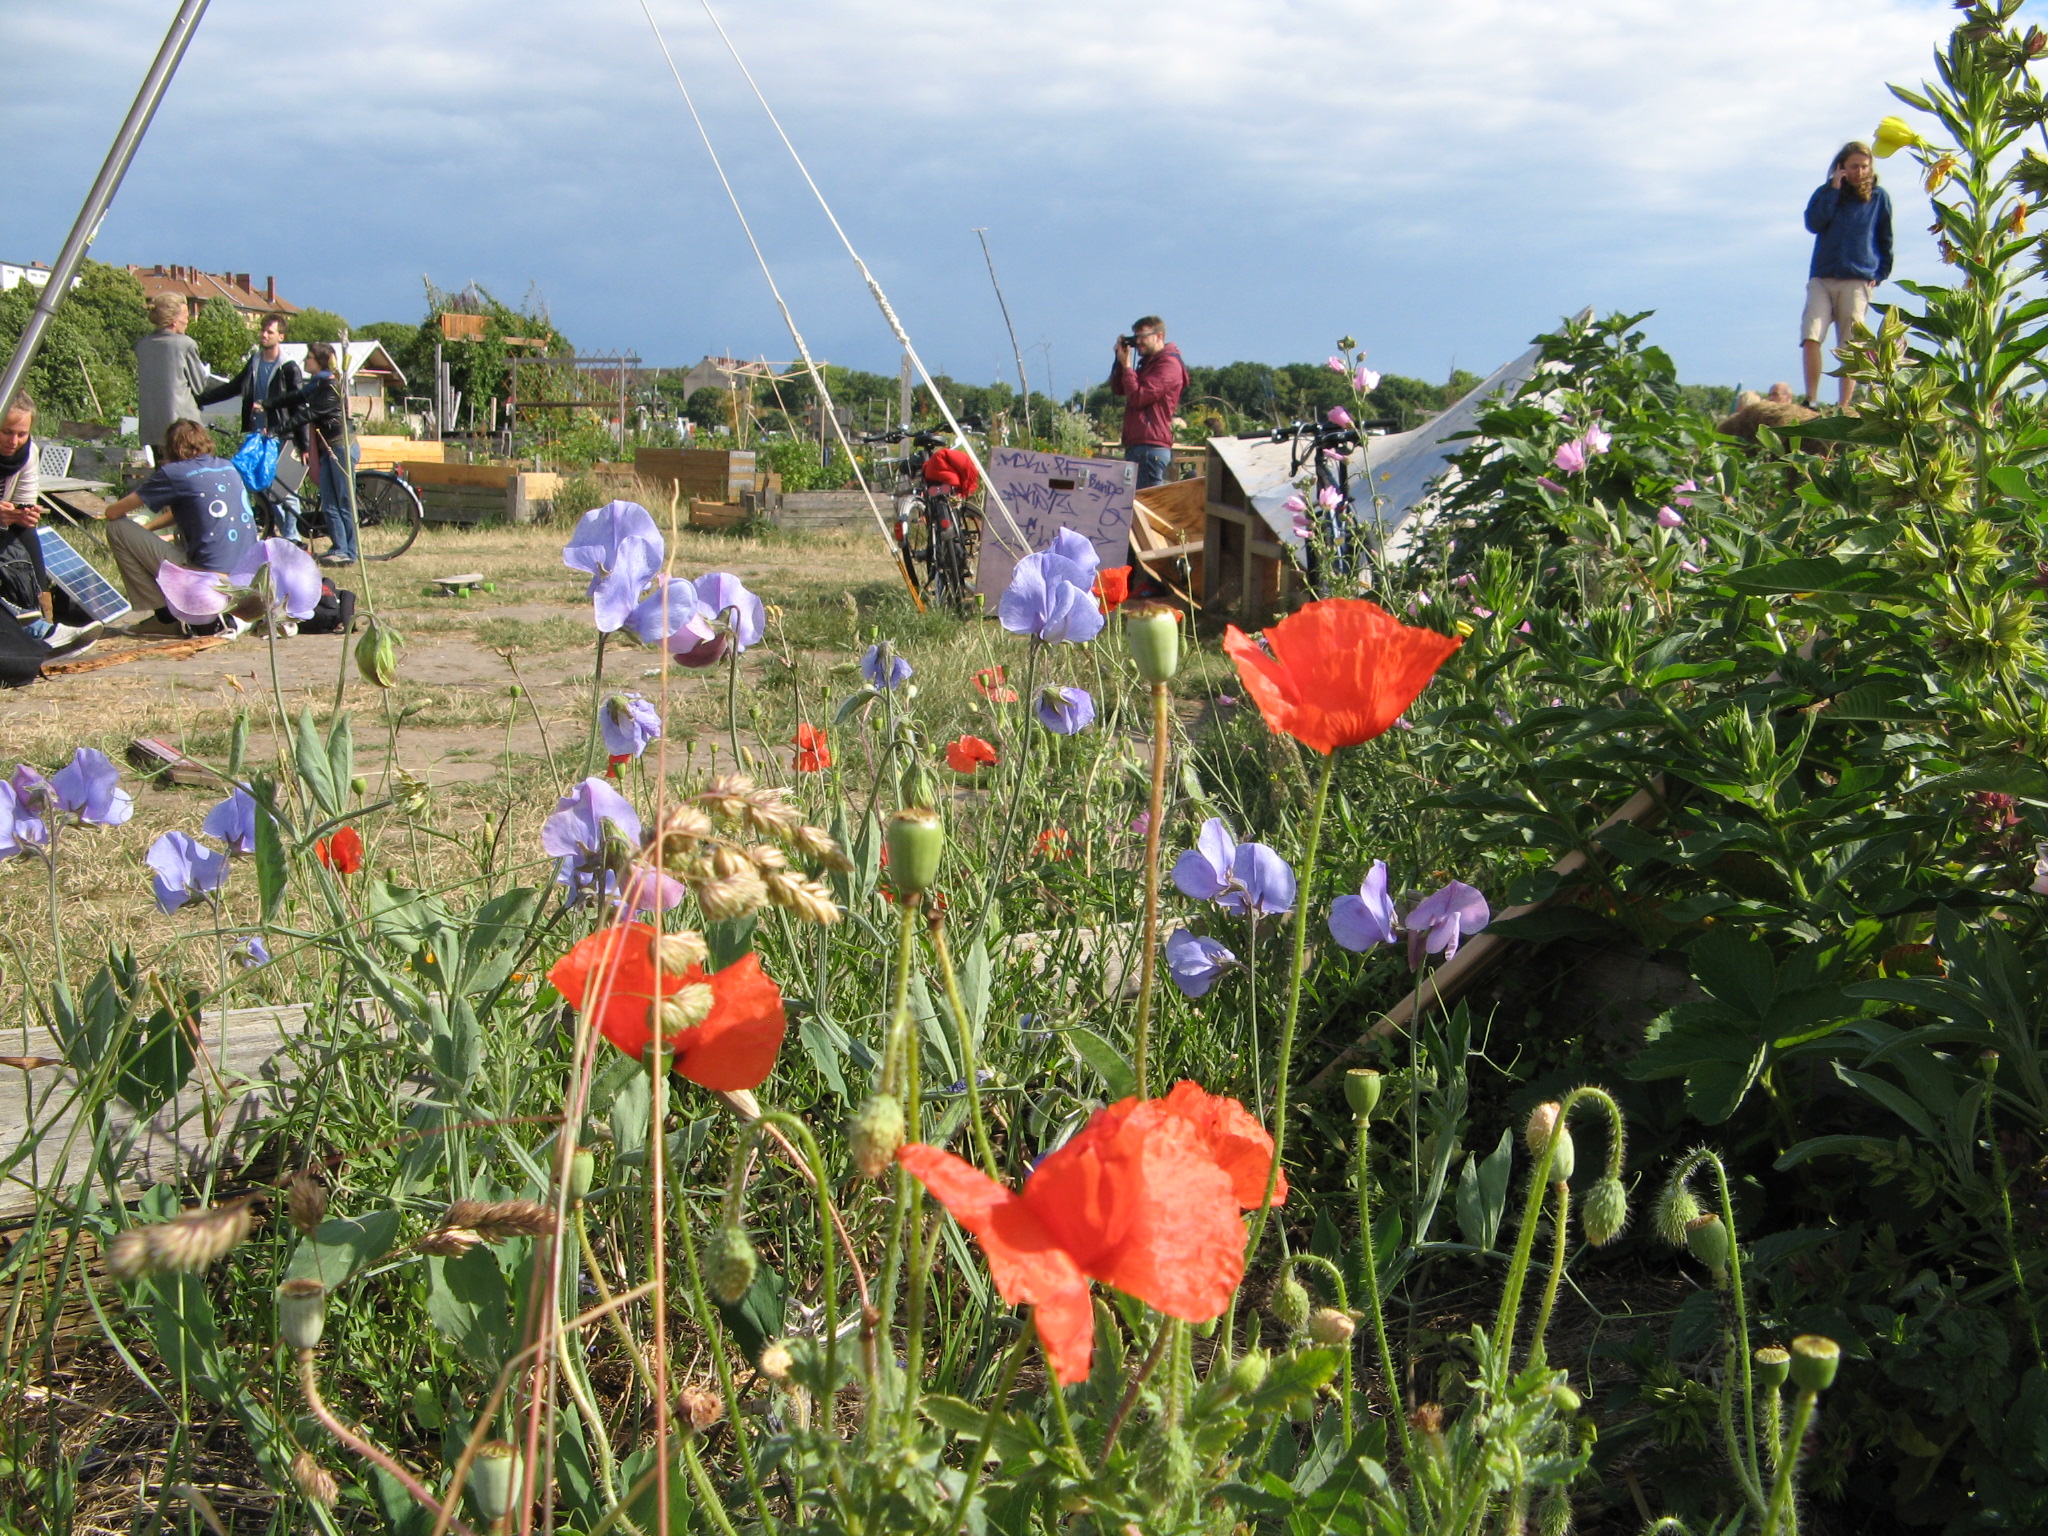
[
  {"x": 1561, "y": 1192},
  {"x": 657, "y": 1224},
  {"x": 1017, "y": 782},
  {"x": 1369, "y": 1272},
  {"x": 979, "y": 1458},
  {"x": 1130, "y": 1397},
  {"x": 899, "y": 1077},
  {"x": 1162, "y": 703},
  {"x": 965, "y": 1027}
]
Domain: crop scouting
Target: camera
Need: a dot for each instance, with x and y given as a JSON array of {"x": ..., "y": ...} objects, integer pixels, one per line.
[{"x": 1128, "y": 341}]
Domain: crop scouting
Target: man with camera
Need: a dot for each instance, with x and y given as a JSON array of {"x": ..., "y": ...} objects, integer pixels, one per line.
[
  {"x": 266, "y": 374},
  {"x": 1151, "y": 391}
]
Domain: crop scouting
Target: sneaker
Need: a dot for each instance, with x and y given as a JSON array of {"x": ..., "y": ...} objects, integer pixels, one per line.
[
  {"x": 65, "y": 640},
  {"x": 154, "y": 628},
  {"x": 331, "y": 558}
]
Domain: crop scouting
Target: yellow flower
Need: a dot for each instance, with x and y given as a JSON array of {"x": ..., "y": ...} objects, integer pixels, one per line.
[
  {"x": 1938, "y": 172},
  {"x": 1892, "y": 136}
]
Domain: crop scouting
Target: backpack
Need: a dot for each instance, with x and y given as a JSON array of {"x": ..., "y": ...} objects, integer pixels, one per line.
[{"x": 335, "y": 612}]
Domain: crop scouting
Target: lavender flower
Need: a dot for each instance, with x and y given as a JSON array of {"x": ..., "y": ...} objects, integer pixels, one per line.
[
  {"x": 628, "y": 722},
  {"x": 1359, "y": 922},
  {"x": 185, "y": 869},
  {"x": 1439, "y": 922},
  {"x": 1196, "y": 963},
  {"x": 575, "y": 834},
  {"x": 1065, "y": 711},
  {"x": 700, "y": 619},
  {"x": 12, "y": 823},
  {"x": 254, "y": 952},
  {"x": 1050, "y": 596},
  {"x": 1669, "y": 517},
  {"x": 284, "y": 575},
  {"x": 1247, "y": 879},
  {"x": 647, "y": 891},
  {"x": 233, "y": 821},
  {"x": 622, "y": 550},
  {"x": 883, "y": 668},
  {"x": 89, "y": 787}
]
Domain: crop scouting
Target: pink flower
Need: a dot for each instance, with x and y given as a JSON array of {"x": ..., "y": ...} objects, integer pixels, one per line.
[
  {"x": 1295, "y": 504},
  {"x": 1596, "y": 440},
  {"x": 1339, "y": 416},
  {"x": 1688, "y": 567},
  {"x": 1330, "y": 497},
  {"x": 1523, "y": 628},
  {"x": 1141, "y": 823},
  {"x": 1683, "y": 485},
  {"x": 1462, "y": 581},
  {"x": 1338, "y": 365},
  {"x": 1570, "y": 457},
  {"x": 1365, "y": 381},
  {"x": 1549, "y": 484},
  {"x": 1302, "y": 527},
  {"x": 1669, "y": 518},
  {"x": 1479, "y": 612}
]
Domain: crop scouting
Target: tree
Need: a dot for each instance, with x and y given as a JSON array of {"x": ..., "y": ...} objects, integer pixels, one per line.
[
  {"x": 709, "y": 408},
  {"x": 222, "y": 335},
  {"x": 86, "y": 368},
  {"x": 315, "y": 325}
]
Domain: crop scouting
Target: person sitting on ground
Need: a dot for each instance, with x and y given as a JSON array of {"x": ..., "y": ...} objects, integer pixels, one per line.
[
  {"x": 315, "y": 409},
  {"x": 1753, "y": 410},
  {"x": 200, "y": 496},
  {"x": 1780, "y": 393},
  {"x": 24, "y": 582},
  {"x": 170, "y": 375}
]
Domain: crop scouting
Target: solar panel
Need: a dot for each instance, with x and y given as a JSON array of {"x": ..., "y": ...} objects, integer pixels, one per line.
[{"x": 78, "y": 580}]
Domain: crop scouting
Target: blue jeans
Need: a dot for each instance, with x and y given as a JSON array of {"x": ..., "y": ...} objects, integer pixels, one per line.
[
  {"x": 285, "y": 506},
  {"x": 337, "y": 500},
  {"x": 1154, "y": 463}
]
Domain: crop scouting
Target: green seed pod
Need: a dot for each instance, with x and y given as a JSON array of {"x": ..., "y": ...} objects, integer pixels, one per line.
[
  {"x": 729, "y": 1264},
  {"x": 1290, "y": 1304},
  {"x": 1362, "y": 1091},
  {"x": 1166, "y": 1465},
  {"x": 916, "y": 839},
  {"x": 582, "y": 1172},
  {"x": 1152, "y": 631},
  {"x": 1564, "y": 1159},
  {"x": 1676, "y": 1211},
  {"x": 1773, "y": 1367},
  {"x": 494, "y": 1478},
  {"x": 1554, "y": 1513},
  {"x": 1814, "y": 1360},
  {"x": 1605, "y": 1212},
  {"x": 359, "y": 785},
  {"x": 377, "y": 654},
  {"x": 877, "y": 1133},
  {"x": 1330, "y": 1328},
  {"x": 1707, "y": 1237},
  {"x": 1250, "y": 1372},
  {"x": 1565, "y": 1399},
  {"x": 301, "y": 1313}
]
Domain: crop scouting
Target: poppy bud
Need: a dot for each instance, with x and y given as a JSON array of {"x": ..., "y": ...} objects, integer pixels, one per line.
[
  {"x": 1542, "y": 1120},
  {"x": 1250, "y": 1372},
  {"x": 359, "y": 785},
  {"x": 238, "y": 743},
  {"x": 1330, "y": 1328},
  {"x": 1152, "y": 631},
  {"x": 301, "y": 1313},
  {"x": 1290, "y": 1303},
  {"x": 377, "y": 654},
  {"x": 916, "y": 839},
  {"x": 1707, "y": 1237},
  {"x": 1564, "y": 1398},
  {"x": 1564, "y": 1159},
  {"x": 729, "y": 1264},
  {"x": 1362, "y": 1091},
  {"x": 493, "y": 1478},
  {"x": 1554, "y": 1514},
  {"x": 1773, "y": 1366},
  {"x": 877, "y": 1133},
  {"x": 1814, "y": 1360},
  {"x": 582, "y": 1172},
  {"x": 1605, "y": 1213},
  {"x": 1166, "y": 1465},
  {"x": 918, "y": 789},
  {"x": 1676, "y": 1211}
]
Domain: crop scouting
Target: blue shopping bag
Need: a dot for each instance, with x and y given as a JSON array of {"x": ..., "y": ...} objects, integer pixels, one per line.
[{"x": 256, "y": 460}]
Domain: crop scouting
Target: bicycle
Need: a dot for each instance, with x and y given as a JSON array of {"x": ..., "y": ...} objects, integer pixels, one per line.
[
  {"x": 934, "y": 529},
  {"x": 1333, "y": 530},
  {"x": 388, "y": 512}
]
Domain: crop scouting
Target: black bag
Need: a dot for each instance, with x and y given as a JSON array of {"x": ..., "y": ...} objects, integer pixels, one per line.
[
  {"x": 21, "y": 655},
  {"x": 335, "y": 612},
  {"x": 20, "y": 579}
]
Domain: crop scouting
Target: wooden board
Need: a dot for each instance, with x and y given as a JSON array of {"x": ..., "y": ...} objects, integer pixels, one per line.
[
  {"x": 116, "y": 649},
  {"x": 1179, "y": 507},
  {"x": 425, "y": 472},
  {"x": 717, "y": 515},
  {"x": 388, "y": 452}
]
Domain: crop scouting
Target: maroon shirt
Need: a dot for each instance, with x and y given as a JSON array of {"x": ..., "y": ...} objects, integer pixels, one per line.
[{"x": 1151, "y": 392}]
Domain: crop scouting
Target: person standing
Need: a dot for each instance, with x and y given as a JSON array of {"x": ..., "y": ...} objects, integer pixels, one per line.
[
  {"x": 170, "y": 375},
  {"x": 1850, "y": 216},
  {"x": 200, "y": 497},
  {"x": 1151, "y": 390},
  {"x": 266, "y": 374},
  {"x": 315, "y": 409}
]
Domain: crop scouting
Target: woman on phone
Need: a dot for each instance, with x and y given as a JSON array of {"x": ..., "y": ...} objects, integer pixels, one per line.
[{"x": 1850, "y": 216}]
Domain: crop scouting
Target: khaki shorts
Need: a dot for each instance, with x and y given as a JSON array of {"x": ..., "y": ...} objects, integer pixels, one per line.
[{"x": 1837, "y": 301}]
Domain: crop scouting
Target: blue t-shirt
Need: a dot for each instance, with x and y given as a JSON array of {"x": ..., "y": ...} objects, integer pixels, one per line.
[{"x": 210, "y": 506}]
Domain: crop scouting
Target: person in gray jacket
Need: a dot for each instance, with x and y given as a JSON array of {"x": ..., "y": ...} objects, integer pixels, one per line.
[{"x": 170, "y": 375}]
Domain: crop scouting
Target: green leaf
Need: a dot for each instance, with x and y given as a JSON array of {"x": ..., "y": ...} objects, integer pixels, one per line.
[
  {"x": 757, "y": 1317},
  {"x": 1816, "y": 573},
  {"x": 1109, "y": 1063},
  {"x": 1718, "y": 1058},
  {"x": 936, "y": 1036},
  {"x": 729, "y": 939},
  {"x": 187, "y": 1339},
  {"x": 975, "y": 986},
  {"x": 341, "y": 759},
  {"x": 273, "y": 873},
  {"x": 1891, "y": 1096},
  {"x": 157, "y": 1060},
  {"x": 1483, "y": 1192},
  {"x": 466, "y": 1300},
  {"x": 1736, "y": 968},
  {"x": 341, "y": 1246},
  {"x": 316, "y": 772}
]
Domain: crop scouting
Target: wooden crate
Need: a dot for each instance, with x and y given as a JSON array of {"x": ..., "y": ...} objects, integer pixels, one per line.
[
  {"x": 718, "y": 516},
  {"x": 481, "y": 493},
  {"x": 813, "y": 510},
  {"x": 386, "y": 452},
  {"x": 715, "y": 474}
]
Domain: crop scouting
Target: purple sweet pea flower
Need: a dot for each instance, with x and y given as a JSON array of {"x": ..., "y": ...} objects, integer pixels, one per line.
[
  {"x": 1339, "y": 417},
  {"x": 894, "y": 674},
  {"x": 254, "y": 952},
  {"x": 729, "y": 603},
  {"x": 89, "y": 787},
  {"x": 622, "y": 550},
  {"x": 701, "y": 620},
  {"x": 1064, "y": 711},
  {"x": 1359, "y": 922},
  {"x": 24, "y": 825},
  {"x": 286, "y": 577},
  {"x": 1247, "y": 879},
  {"x": 575, "y": 833},
  {"x": 233, "y": 821},
  {"x": 185, "y": 869},
  {"x": 1196, "y": 963},
  {"x": 628, "y": 722},
  {"x": 1668, "y": 517},
  {"x": 647, "y": 891},
  {"x": 1439, "y": 922},
  {"x": 1570, "y": 457},
  {"x": 1051, "y": 594},
  {"x": 11, "y": 819}
]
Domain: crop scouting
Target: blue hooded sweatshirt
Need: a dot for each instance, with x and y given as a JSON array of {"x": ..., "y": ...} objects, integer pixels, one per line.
[{"x": 1851, "y": 238}]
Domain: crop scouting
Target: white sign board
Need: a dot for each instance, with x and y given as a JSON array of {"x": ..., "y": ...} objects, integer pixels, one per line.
[{"x": 1046, "y": 492}]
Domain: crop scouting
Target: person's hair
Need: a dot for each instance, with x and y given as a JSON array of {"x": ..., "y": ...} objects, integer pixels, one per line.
[
  {"x": 187, "y": 440},
  {"x": 281, "y": 322},
  {"x": 1149, "y": 323},
  {"x": 164, "y": 310},
  {"x": 1854, "y": 147},
  {"x": 319, "y": 355},
  {"x": 20, "y": 405}
]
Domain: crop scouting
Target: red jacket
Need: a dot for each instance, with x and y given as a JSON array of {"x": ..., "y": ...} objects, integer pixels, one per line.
[
  {"x": 1151, "y": 392},
  {"x": 954, "y": 467}
]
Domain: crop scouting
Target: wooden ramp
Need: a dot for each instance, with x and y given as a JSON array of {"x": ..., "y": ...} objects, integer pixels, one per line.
[{"x": 238, "y": 1080}]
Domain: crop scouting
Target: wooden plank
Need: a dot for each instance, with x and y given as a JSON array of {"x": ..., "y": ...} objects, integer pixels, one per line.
[
  {"x": 389, "y": 452},
  {"x": 1178, "y": 508},
  {"x": 424, "y": 472},
  {"x": 240, "y": 1078}
]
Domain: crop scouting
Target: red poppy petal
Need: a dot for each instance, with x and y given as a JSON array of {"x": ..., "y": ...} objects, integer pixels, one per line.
[
  {"x": 1269, "y": 684},
  {"x": 1239, "y": 1144},
  {"x": 610, "y": 977},
  {"x": 1027, "y": 1265},
  {"x": 735, "y": 1046},
  {"x": 1341, "y": 671}
]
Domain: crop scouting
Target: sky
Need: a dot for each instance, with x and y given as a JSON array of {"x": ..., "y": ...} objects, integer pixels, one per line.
[{"x": 1440, "y": 181}]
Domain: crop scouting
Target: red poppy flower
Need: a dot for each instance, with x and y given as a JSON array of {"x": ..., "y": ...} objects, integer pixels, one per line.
[
  {"x": 342, "y": 853},
  {"x": 1112, "y": 587},
  {"x": 611, "y": 768},
  {"x": 969, "y": 753},
  {"x": 812, "y": 755},
  {"x": 1338, "y": 672},
  {"x": 1055, "y": 843},
  {"x": 1145, "y": 1198},
  {"x": 992, "y": 681},
  {"x": 610, "y": 976}
]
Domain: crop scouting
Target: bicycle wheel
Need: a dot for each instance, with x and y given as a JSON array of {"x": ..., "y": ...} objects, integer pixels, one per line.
[
  {"x": 914, "y": 540},
  {"x": 947, "y": 559},
  {"x": 388, "y": 514}
]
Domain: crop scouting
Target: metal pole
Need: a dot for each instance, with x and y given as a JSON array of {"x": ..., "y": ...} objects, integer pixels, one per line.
[
  {"x": 1015, "y": 350},
  {"x": 136, "y": 124}
]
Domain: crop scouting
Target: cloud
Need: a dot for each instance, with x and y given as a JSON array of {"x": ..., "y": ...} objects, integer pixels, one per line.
[{"x": 1441, "y": 180}]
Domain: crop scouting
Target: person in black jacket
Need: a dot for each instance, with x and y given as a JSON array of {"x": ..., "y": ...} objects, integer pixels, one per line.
[
  {"x": 267, "y": 374},
  {"x": 315, "y": 408}
]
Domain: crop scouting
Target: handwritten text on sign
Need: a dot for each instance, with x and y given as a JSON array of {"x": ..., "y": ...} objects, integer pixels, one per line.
[{"x": 1046, "y": 492}]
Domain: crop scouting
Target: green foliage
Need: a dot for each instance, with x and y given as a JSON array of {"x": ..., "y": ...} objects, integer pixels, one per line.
[
  {"x": 86, "y": 368},
  {"x": 315, "y": 325},
  {"x": 222, "y": 335}
]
